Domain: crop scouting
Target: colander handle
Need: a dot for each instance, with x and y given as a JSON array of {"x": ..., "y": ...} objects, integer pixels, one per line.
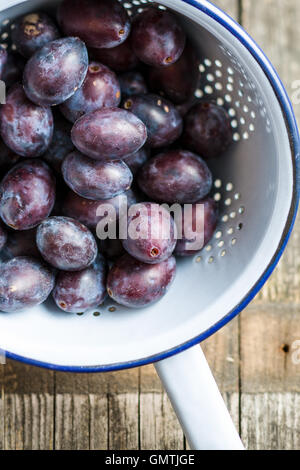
[{"x": 197, "y": 401}]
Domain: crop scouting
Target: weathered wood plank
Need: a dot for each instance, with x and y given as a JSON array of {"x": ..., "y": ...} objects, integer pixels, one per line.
[
  {"x": 2, "y": 411},
  {"x": 123, "y": 425},
  {"x": 28, "y": 407},
  {"x": 271, "y": 421},
  {"x": 231, "y": 7},
  {"x": 273, "y": 24}
]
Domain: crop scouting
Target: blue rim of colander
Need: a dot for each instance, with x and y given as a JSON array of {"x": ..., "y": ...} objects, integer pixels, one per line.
[{"x": 234, "y": 28}]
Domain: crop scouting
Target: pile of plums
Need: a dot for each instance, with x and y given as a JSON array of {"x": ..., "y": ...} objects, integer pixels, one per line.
[{"x": 100, "y": 110}]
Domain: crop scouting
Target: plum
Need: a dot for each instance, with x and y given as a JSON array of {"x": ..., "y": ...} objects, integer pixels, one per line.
[
  {"x": 96, "y": 180},
  {"x": 175, "y": 176},
  {"x": 33, "y": 31},
  {"x": 162, "y": 120},
  {"x": 66, "y": 244},
  {"x": 120, "y": 58},
  {"x": 24, "y": 282},
  {"x": 27, "y": 195},
  {"x": 85, "y": 210},
  {"x": 135, "y": 284},
  {"x": 199, "y": 231},
  {"x": 56, "y": 71},
  {"x": 207, "y": 130},
  {"x": 78, "y": 291},
  {"x": 109, "y": 133},
  {"x": 178, "y": 81},
  {"x": 132, "y": 83},
  {"x": 25, "y": 128},
  {"x": 151, "y": 233},
  {"x": 99, "y": 23},
  {"x": 157, "y": 37},
  {"x": 100, "y": 89}
]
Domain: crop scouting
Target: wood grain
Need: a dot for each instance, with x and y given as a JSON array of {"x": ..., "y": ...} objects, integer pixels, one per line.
[{"x": 251, "y": 357}]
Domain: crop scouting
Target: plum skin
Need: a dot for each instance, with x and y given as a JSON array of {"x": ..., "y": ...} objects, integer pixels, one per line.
[
  {"x": 96, "y": 180},
  {"x": 178, "y": 81},
  {"x": 85, "y": 210},
  {"x": 99, "y": 23},
  {"x": 100, "y": 89},
  {"x": 33, "y": 31},
  {"x": 24, "y": 282},
  {"x": 108, "y": 133},
  {"x": 163, "y": 122},
  {"x": 207, "y": 130},
  {"x": 157, "y": 37},
  {"x": 56, "y": 71},
  {"x": 66, "y": 244},
  {"x": 25, "y": 128},
  {"x": 184, "y": 246},
  {"x": 120, "y": 58},
  {"x": 157, "y": 233},
  {"x": 175, "y": 176},
  {"x": 78, "y": 291},
  {"x": 27, "y": 195},
  {"x": 135, "y": 284}
]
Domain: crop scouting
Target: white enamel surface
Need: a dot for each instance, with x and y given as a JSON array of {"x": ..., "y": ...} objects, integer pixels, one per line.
[
  {"x": 199, "y": 405},
  {"x": 259, "y": 169}
]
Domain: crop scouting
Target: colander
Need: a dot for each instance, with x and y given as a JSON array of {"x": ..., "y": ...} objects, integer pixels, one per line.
[{"x": 257, "y": 186}]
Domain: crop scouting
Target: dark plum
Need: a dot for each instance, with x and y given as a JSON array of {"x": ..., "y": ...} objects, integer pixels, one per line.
[
  {"x": 132, "y": 83},
  {"x": 109, "y": 133},
  {"x": 66, "y": 244},
  {"x": 207, "y": 130},
  {"x": 96, "y": 180},
  {"x": 201, "y": 224},
  {"x": 175, "y": 176},
  {"x": 61, "y": 144},
  {"x": 135, "y": 284},
  {"x": 27, "y": 195},
  {"x": 184, "y": 108},
  {"x": 3, "y": 237},
  {"x": 33, "y": 31},
  {"x": 162, "y": 120},
  {"x": 22, "y": 244},
  {"x": 26, "y": 128},
  {"x": 78, "y": 291},
  {"x": 120, "y": 58},
  {"x": 56, "y": 71},
  {"x": 157, "y": 37},
  {"x": 100, "y": 89},
  {"x": 111, "y": 248},
  {"x": 99, "y": 23},
  {"x": 8, "y": 158},
  {"x": 151, "y": 233},
  {"x": 24, "y": 282},
  {"x": 136, "y": 160},
  {"x": 3, "y": 60},
  {"x": 85, "y": 210},
  {"x": 13, "y": 69},
  {"x": 178, "y": 81}
]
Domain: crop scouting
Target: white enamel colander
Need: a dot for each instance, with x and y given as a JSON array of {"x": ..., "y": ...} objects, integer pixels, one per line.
[{"x": 257, "y": 186}]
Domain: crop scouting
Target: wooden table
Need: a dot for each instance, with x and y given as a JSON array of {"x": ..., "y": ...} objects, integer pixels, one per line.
[{"x": 251, "y": 357}]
